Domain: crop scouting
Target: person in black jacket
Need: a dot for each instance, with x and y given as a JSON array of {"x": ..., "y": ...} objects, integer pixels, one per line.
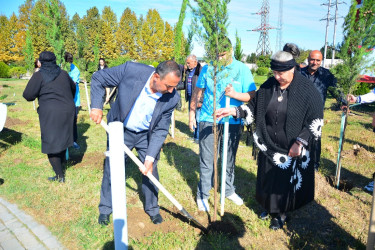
[
  {"x": 55, "y": 92},
  {"x": 193, "y": 69}
]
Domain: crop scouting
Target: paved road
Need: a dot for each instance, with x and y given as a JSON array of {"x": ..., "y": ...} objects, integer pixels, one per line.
[{"x": 20, "y": 231}]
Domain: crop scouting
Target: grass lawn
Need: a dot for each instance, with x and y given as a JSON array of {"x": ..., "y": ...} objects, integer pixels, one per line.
[{"x": 336, "y": 219}]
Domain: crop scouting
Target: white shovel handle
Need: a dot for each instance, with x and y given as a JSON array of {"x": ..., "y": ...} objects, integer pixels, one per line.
[{"x": 149, "y": 174}]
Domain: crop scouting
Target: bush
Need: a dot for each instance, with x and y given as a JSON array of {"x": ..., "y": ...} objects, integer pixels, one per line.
[
  {"x": 17, "y": 72},
  {"x": 264, "y": 61},
  {"x": 262, "y": 71},
  {"x": 361, "y": 88},
  {"x": 149, "y": 62},
  {"x": 118, "y": 61},
  {"x": 253, "y": 71},
  {"x": 4, "y": 70}
]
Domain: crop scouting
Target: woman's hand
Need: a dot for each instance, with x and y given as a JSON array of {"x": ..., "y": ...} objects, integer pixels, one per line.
[
  {"x": 224, "y": 112},
  {"x": 295, "y": 150},
  {"x": 351, "y": 98}
]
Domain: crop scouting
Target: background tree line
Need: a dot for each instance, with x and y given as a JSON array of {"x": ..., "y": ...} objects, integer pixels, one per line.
[{"x": 45, "y": 25}]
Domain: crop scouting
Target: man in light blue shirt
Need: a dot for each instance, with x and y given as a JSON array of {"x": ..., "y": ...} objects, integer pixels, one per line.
[{"x": 234, "y": 80}]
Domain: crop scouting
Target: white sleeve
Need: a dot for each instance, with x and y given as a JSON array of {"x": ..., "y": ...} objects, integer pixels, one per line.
[{"x": 367, "y": 98}]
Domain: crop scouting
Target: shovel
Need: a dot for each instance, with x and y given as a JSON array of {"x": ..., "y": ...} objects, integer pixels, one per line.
[{"x": 157, "y": 183}]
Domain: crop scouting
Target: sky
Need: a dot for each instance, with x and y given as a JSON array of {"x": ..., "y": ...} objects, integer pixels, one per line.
[{"x": 301, "y": 19}]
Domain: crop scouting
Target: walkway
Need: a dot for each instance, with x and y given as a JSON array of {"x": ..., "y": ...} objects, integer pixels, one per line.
[{"x": 20, "y": 231}]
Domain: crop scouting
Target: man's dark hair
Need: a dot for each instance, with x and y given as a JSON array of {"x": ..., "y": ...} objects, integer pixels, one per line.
[
  {"x": 292, "y": 49},
  {"x": 227, "y": 44},
  {"x": 36, "y": 63},
  {"x": 167, "y": 67},
  {"x": 68, "y": 57}
]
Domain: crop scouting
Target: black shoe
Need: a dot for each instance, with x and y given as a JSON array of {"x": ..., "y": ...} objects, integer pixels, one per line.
[
  {"x": 264, "y": 215},
  {"x": 156, "y": 219},
  {"x": 277, "y": 223},
  {"x": 55, "y": 178},
  {"x": 103, "y": 219}
]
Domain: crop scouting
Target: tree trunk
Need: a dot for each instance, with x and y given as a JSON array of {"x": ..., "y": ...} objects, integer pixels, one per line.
[{"x": 215, "y": 148}]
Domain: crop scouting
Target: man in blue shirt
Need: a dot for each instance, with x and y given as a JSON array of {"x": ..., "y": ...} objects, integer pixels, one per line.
[
  {"x": 234, "y": 80},
  {"x": 144, "y": 104}
]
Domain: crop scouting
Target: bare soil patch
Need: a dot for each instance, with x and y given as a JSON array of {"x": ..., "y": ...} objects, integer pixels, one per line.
[
  {"x": 140, "y": 225},
  {"x": 92, "y": 160},
  {"x": 12, "y": 122}
]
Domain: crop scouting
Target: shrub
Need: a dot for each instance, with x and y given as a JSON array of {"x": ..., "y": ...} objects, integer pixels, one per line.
[
  {"x": 17, "y": 72},
  {"x": 262, "y": 71},
  {"x": 361, "y": 88},
  {"x": 253, "y": 71},
  {"x": 4, "y": 70},
  {"x": 118, "y": 61}
]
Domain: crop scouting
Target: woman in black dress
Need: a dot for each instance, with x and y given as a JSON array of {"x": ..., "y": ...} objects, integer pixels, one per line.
[
  {"x": 55, "y": 92},
  {"x": 288, "y": 114}
]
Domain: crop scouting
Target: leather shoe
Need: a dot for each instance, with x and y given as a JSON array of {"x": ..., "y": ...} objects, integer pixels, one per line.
[
  {"x": 277, "y": 223},
  {"x": 156, "y": 219},
  {"x": 55, "y": 178},
  {"x": 264, "y": 215},
  {"x": 103, "y": 219}
]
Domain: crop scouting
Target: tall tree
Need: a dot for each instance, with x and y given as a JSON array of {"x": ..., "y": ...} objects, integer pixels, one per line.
[
  {"x": 108, "y": 46},
  {"x": 92, "y": 25},
  {"x": 14, "y": 51},
  {"x": 179, "y": 34},
  {"x": 168, "y": 43},
  {"x": 8, "y": 51},
  {"x": 213, "y": 17},
  {"x": 238, "y": 52},
  {"x": 53, "y": 19},
  {"x": 359, "y": 38},
  {"x": 70, "y": 41},
  {"x": 126, "y": 34},
  {"x": 189, "y": 42},
  {"x": 152, "y": 32},
  {"x": 38, "y": 28},
  {"x": 24, "y": 13},
  {"x": 4, "y": 39},
  {"x": 29, "y": 52},
  {"x": 81, "y": 35}
]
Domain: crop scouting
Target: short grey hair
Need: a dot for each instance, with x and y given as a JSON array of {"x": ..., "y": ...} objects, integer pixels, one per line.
[
  {"x": 282, "y": 56},
  {"x": 192, "y": 57}
]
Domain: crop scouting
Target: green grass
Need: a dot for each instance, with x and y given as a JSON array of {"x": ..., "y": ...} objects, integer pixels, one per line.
[{"x": 334, "y": 219}]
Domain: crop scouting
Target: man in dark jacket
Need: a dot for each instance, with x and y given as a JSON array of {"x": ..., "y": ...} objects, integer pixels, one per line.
[
  {"x": 145, "y": 102},
  {"x": 324, "y": 81},
  {"x": 193, "y": 69}
]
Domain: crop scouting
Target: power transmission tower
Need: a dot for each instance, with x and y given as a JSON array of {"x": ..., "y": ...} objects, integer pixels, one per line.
[
  {"x": 328, "y": 19},
  {"x": 334, "y": 32},
  {"x": 327, "y": 25},
  {"x": 279, "y": 37},
  {"x": 263, "y": 47}
]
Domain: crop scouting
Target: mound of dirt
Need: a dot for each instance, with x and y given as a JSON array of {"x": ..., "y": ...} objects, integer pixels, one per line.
[{"x": 11, "y": 122}]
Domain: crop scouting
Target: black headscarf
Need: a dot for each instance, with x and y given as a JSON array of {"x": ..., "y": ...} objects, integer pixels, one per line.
[
  {"x": 49, "y": 68},
  {"x": 282, "y": 66}
]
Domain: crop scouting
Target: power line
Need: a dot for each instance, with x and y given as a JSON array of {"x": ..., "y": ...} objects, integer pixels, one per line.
[{"x": 263, "y": 47}]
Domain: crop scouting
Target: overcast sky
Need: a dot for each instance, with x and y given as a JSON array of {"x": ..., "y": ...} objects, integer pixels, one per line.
[{"x": 301, "y": 18}]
